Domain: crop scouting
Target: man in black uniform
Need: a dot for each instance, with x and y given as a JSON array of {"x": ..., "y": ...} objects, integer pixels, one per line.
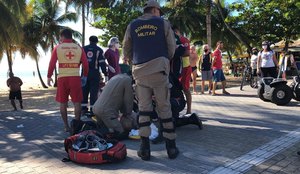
[{"x": 95, "y": 58}]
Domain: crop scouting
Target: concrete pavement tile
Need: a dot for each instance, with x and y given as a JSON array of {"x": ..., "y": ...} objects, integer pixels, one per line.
[
  {"x": 252, "y": 172},
  {"x": 281, "y": 172},
  {"x": 275, "y": 168},
  {"x": 267, "y": 172},
  {"x": 283, "y": 163},
  {"x": 290, "y": 169}
]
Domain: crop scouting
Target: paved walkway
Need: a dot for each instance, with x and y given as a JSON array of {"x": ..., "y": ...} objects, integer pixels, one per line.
[{"x": 241, "y": 134}]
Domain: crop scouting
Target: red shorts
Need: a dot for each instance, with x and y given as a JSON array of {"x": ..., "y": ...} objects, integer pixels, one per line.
[
  {"x": 186, "y": 77},
  {"x": 69, "y": 86}
]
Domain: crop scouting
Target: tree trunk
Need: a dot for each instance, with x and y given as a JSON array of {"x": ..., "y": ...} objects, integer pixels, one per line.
[
  {"x": 39, "y": 73},
  {"x": 230, "y": 29},
  {"x": 231, "y": 62},
  {"x": 208, "y": 23},
  {"x": 9, "y": 59},
  {"x": 55, "y": 69},
  {"x": 286, "y": 44},
  {"x": 230, "y": 58},
  {"x": 83, "y": 22}
]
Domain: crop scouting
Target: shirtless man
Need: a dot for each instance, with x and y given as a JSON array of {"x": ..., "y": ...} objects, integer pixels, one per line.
[
  {"x": 194, "y": 58},
  {"x": 14, "y": 84}
]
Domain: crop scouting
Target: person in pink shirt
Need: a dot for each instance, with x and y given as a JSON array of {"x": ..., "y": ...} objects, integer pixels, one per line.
[
  {"x": 217, "y": 68},
  {"x": 112, "y": 56}
]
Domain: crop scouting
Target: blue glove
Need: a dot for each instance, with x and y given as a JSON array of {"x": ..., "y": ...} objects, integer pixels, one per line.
[{"x": 83, "y": 81}]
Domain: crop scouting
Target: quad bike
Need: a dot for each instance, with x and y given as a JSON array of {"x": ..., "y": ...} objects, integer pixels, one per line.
[
  {"x": 275, "y": 90},
  {"x": 295, "y": 86}
]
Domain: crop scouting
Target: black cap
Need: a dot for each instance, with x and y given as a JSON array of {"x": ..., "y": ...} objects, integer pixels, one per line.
[
  {"x": 93, "y": 39},
  {"x": 265, "y": 43}
]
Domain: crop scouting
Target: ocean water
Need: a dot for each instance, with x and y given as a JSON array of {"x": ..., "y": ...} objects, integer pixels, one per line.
[
  {"x": 24, "y": 69},
  {"x": 29, "y": 78}
]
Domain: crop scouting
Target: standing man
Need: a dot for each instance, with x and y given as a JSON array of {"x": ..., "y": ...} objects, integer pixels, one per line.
[
  {"x": 206, "y": 68},
  {"x": 69, "y": 56},
  {"x": 185, "y": 77},
  {"x": 217, "y": 68},
  {"x": 14, "y": 84},
  {"x": 96, "y": 60},
  {"x": 149, "y": 42},
  {"x": 194, "y": 59}
]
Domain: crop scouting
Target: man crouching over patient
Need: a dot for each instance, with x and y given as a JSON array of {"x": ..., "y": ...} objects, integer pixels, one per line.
[{"x": 117, "y": 97}]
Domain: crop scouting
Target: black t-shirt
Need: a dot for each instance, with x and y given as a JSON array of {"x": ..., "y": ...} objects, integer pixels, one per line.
[{"x": 206, "y": 62}]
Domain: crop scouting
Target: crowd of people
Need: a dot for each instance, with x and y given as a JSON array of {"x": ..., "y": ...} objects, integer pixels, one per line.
[{"x": 162, "y": 64}]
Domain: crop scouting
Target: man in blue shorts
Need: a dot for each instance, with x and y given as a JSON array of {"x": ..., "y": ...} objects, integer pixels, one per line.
[{"x": 217, "y": 68}]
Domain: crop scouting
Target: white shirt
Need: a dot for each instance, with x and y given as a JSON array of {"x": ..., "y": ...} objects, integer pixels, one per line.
[
  {"x": 266, "y": 59},
  {"x": 254, "y": 61}
]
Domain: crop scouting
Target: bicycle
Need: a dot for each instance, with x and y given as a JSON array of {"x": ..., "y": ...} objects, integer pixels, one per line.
[{"x": 248, "y": 77}]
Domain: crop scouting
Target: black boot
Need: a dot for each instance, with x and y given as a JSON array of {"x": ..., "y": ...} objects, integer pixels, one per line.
[
  {"x": 181, "y": 121},
  {"x": 194, "y": 119},
  {"x": 159, "y": 139},
  {"x": 172, "y": 150},
  {"x": 144, "y": 151},
  {"x": 21, "y": 104},
  {"x": 298, "y": 152}
]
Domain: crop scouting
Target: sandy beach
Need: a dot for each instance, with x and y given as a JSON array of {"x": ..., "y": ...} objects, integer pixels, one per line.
[
  {"x": 36, "y": 97},
  {"x": 33, "y": 98}
]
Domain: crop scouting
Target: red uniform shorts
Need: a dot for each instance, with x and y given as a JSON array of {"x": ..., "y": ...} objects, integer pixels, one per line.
[
  {"x": 186, "y": 77},
  {"x": 69, "y": 86}
]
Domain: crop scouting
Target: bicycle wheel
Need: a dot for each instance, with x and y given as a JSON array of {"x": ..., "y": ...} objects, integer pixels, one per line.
[
  {"x": 243, "y": 79},
  {"x": 253, "y": 81}
]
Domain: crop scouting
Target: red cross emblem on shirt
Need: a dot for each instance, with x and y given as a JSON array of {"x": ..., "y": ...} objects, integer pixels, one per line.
[{"x": 69, "y": 55}]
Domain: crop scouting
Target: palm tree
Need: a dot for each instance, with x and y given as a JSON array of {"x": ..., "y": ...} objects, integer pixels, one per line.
[
  {"x": 187, "y": 15},
  {"x": 84, "y": 7},
  {"x": 237, "y": 35},
  {"x": 33, "y": 39},
  {"x": 49, "y": 15},
  {"x": 11, "y": 13},
  {"x": 208, "y": 22}
]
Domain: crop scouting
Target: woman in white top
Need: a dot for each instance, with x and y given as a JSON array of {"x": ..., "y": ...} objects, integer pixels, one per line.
[
  {"x": 267, "y": 63},
  {"x": 254, "y": 60}
]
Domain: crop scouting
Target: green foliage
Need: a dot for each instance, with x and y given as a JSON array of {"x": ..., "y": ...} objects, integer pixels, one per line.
[
  {"x": 114, "y": 20},
  {"x": 11, "y": 13},
  {"x": 11, "y": 16},
  {"x": 260, "y": 20},
  {"x": 49, "y": 16}
]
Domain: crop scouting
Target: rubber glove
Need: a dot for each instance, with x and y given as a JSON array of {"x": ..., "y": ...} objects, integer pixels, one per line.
[{"x": 83, "y": 81}]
